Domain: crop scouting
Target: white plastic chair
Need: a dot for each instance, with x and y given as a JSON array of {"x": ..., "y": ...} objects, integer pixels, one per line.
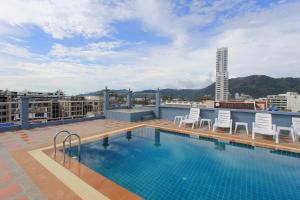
[
  {"x": 223, "y": 121},
  {"x": 263, "y": 125},
  {"x": 296, "y": 127},
  {"x": 193, "y": 118}
]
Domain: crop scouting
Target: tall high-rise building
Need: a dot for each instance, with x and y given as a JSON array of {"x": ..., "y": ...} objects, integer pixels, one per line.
[{"x": 222, "y": 90}]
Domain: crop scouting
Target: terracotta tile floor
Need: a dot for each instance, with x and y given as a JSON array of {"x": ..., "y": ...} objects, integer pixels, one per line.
[
  {"x": 22, "y": 178},
  {"x": 285, "y": 142}
]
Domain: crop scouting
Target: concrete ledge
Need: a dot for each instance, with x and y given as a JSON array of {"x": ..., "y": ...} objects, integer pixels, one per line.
[
  {"x": 50, "y": 123},
  {"x": 129, "y": 115},
  {"x": 10, "y": 128},
  {"x": 82, "y": 189},
  {"x": 248, "y": 116},
  {"x": 67, "y": 121}
]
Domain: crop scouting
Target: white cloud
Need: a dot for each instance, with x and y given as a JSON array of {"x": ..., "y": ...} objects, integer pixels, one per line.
[
  {"x": 17, "y": 52},
  {"x": 94, "y": 18},
  {"x": 63, "y": 18},
  {"x": 90, "y": 52},
  {"x": 262, "y": 41}
]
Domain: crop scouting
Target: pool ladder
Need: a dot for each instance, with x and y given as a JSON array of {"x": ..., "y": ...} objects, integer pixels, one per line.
[{"x": 69, "y": 136}]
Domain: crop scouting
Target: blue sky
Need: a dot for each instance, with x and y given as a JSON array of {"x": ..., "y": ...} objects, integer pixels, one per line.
[{"x": 82, "y": 46}]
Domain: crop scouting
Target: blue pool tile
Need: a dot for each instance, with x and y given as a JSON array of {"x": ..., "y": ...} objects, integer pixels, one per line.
[{"x": 162, "y": 165}]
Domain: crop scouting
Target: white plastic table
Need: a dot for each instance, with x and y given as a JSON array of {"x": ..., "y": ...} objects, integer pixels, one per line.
[
  {"x": 289, "y": 129},
  {"x": 245, "y": 124},
  {"x": 209, "y": 123},
  {"x": 178, "y": 119}
]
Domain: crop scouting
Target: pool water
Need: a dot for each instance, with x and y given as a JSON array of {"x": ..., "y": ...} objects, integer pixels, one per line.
[{"x": 160, "y": 165}]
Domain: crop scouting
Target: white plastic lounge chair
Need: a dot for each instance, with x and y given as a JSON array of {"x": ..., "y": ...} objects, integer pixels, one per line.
[
  {"x": 263, "y": 125},
  {"x": 223, "y": 121},
  {"x": 296, "y": 127},
  {"x": 193, "y": 118}
]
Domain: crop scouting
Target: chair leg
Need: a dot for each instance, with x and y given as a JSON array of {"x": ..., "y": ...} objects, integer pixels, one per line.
[
  {"x": 230, "y": 131},
  {"x": 193, "y": 125},
  {"x": 277, "y": 138},
  {"x": 214, "y": 128},
  {"x": 247, "y": 130},
  {"x": 253, "y": 135},
  {"x": 235, "y": 129}
]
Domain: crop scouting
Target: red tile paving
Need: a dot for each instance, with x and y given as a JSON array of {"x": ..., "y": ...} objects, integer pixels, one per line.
[
  {"x": 23, "y": 198},
  {"x": 3, "y": 166},
  {"x": 9, "y": 191},
  {"x": 5, "y": 179},
  {"x": 49, "y": 187}
]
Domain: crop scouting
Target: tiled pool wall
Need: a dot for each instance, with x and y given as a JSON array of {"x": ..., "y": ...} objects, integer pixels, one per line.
[{"x": 279, "y": 118}]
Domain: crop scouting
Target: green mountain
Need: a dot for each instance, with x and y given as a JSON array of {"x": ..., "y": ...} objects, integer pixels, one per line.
[
  {"x": 255, "y": 85},
  {"x": 261, "y": 86}
]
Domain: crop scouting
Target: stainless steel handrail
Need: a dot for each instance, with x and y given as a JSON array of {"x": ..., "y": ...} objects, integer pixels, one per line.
[
  {"x": 64, "y": 145},
  {"x": 54, "y": 139}
]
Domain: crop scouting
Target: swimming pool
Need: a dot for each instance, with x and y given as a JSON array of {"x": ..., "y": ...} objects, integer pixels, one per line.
[{"x": 156, "y": 164}]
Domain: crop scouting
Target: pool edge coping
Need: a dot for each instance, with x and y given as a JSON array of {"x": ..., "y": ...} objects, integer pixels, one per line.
[
  {"x": 65, "y": 175},
  {"x": 40, "y": 156}
]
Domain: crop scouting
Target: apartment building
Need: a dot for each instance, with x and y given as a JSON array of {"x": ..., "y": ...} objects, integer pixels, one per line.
[
  {"x": 285, "y": 102},
  {"x": 222, "y": 85},
  {"x": 76, "y": 107},
  {"x": 48, "y": 106}
]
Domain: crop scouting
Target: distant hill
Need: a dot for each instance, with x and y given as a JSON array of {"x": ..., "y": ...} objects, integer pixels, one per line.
[
  {"x": 255, "y": 85},
  {"x": 100, "y": 92},
  {"x": 261, "y": 86}
]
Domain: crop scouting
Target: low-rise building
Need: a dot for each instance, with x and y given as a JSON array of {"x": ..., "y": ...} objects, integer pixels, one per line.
[
  {"x": 44, "y": 106},
  {"x": 243, "y": 105},
  {"x": 176, "y": 102},
  {"x": 285, "y": 102},
  {"x": 242, "y": 97}
]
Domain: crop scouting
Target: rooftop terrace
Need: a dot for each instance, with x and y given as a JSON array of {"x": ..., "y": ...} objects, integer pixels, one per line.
[{"x": 22, "y": 176}]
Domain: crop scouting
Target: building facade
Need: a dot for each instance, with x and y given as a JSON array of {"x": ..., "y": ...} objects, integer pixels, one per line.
[
  {"x": 285, "y": 102},
  {"x": 243, "y": 105},
  {"x": 222, "y": 85},
  {"x": 48, "y": 106}
]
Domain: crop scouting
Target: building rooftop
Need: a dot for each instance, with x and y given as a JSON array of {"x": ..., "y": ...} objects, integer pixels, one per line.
[{"x": 22, "y": 177}]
